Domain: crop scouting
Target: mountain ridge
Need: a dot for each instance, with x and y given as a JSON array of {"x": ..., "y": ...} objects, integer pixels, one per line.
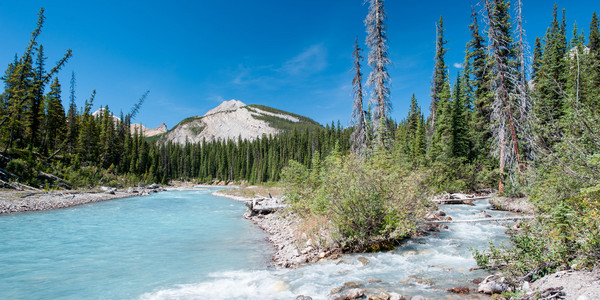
[
  {"x": 145, "y": 131},
  {"x": 234, "y": 119}
]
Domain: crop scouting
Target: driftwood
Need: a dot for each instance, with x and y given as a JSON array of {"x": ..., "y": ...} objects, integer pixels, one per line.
[
  {"x": 255, "y": 208},
  {"x": 484, "y": 220}
]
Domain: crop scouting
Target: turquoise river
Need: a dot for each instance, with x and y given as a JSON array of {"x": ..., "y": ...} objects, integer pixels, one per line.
[{"x": 193, "y": 245}]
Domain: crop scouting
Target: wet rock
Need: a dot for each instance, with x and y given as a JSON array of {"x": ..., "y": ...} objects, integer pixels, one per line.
[
  {"x": 396, "y": 296},
  {"x": 431, "y": 217},
  {"x": 380, "y": 296},
  {"x": 352, "y": 284},
  {"x": 448, "y": 218},
  {"x": 494, "y": 284},
  {"x": 153, "y": 186},
  {"x": 440, "y": 214},
  {"x": 347, "y": 295},
  {"x": 302, "y": 297},
  {"x": 374, "y": 280},
  {"x": 365, "y": 261},
  {"x": 418, "y": 297}
]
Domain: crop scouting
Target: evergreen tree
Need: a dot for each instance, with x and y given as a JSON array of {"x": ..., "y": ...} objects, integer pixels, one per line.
[
  {"x": 551, "y": 81},
  {"x": 459, "y": 133},
  {"x": 440, "y": 77},
  {"x": 359, "y": 134},
  {"x": 35, "y": 105},
  {"x": 441, "y": 143},
  {"x": 72, "y": 122},
  {"x": 594, "y": 40},
  {"x": 592, "y": 72},
  {"x": 55, "y": 118},
  {"x": 88, "y": 139},
  {"x": 537, "y": 59},
  {"x": 480, "y": 122}
]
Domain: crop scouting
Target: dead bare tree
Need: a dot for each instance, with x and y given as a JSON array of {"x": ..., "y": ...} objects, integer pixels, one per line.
[
  {"x": 504, "y": 83},
  {"x": 379, "y": 78}
]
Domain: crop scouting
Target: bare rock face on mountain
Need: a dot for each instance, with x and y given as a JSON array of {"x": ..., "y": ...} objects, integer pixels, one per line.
[
  {"x": 152, "y": 132},
  {"x": 147, "y": 132},
  {"x": 232, "y": 120}
]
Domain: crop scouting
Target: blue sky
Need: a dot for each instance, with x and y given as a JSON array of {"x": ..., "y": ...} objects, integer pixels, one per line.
[{"x": 291, "y": 55}]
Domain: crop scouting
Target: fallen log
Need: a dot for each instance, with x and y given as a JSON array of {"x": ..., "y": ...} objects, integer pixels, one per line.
[
  {"x": 453, "y": 201},
  {"x": 468, "y": 201},
  {"x": 55, "y": 178},
  {"x": 485, "y": 220}
]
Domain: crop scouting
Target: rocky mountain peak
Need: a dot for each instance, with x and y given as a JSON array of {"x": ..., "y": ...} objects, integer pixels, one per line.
[
  {"x": 226, "y": 106},
  {"x": 232, "y": 120}
]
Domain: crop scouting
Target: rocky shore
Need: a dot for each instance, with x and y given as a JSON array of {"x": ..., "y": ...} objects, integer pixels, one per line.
[
  {"x": 291, "y": 250},
  {"x": 21, "y": 201}
]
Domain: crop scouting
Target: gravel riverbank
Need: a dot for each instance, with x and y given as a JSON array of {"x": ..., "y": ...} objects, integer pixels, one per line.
[
  {"x": 20, "y": 201},
  {"x": 283, "y": 233}
]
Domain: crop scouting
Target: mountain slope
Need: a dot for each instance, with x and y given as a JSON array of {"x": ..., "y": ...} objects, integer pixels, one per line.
[{"x": 233, "y": 119}]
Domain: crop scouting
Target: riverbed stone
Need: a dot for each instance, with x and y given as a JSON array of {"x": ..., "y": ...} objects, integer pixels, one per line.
[
  {"x": 347, "y": 294},
  {"x": 352, "y": 284},
  {"x": 302, "y": 297},
  {"x": 365, "y": 261},
  {"x": 396, "y": 296},
  {"x": 494, "y": 284},
  {"x": 379, "y": 296}
]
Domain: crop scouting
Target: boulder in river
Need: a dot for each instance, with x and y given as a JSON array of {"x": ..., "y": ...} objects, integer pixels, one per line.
[
  {"x": 494, "y": 284},
  {"x": 365, "y": 261},
  {"x": 347, "y": 294}
]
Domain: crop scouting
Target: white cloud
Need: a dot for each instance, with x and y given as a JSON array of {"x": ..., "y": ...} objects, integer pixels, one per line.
[
  {"x": 311, "y": 60},
  {"x": 457, "y": 65}
]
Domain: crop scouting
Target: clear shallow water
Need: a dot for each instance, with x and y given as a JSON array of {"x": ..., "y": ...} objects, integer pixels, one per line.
[
  {"x": 124, "y": 248},
  {"x": 190, "y": 245}
]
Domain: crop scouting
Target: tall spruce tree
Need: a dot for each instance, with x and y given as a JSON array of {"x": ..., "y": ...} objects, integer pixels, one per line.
[
  {"x": 379, "y": 79},
  {"x": 441, "y": 143},
  {"x": 482, "y": 99},
  {"x": 551, "y": 81},
  {"x": 359, "y": 120},
  {"x": 72, "y": 120},
  {"x": 592, "y": 76},
  {"x": 459, "y": 133},
  {"x": 440, "y": 77},
  {"x": 55, "y": 123}
]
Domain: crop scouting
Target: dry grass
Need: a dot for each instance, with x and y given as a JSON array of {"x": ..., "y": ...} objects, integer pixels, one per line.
[
  {"x": 254, "y": 192},
  {"x": 316, "y": 229}
]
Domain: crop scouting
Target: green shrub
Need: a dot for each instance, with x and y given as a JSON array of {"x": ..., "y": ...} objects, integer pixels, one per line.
[
  {"x": 23, "y": 169},
  {"x": 568, "y": 236},
  {"x": 370, "y": 204}
]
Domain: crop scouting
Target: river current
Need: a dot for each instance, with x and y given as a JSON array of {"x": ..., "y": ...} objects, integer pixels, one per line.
[{"x": 192, "y": 245}]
